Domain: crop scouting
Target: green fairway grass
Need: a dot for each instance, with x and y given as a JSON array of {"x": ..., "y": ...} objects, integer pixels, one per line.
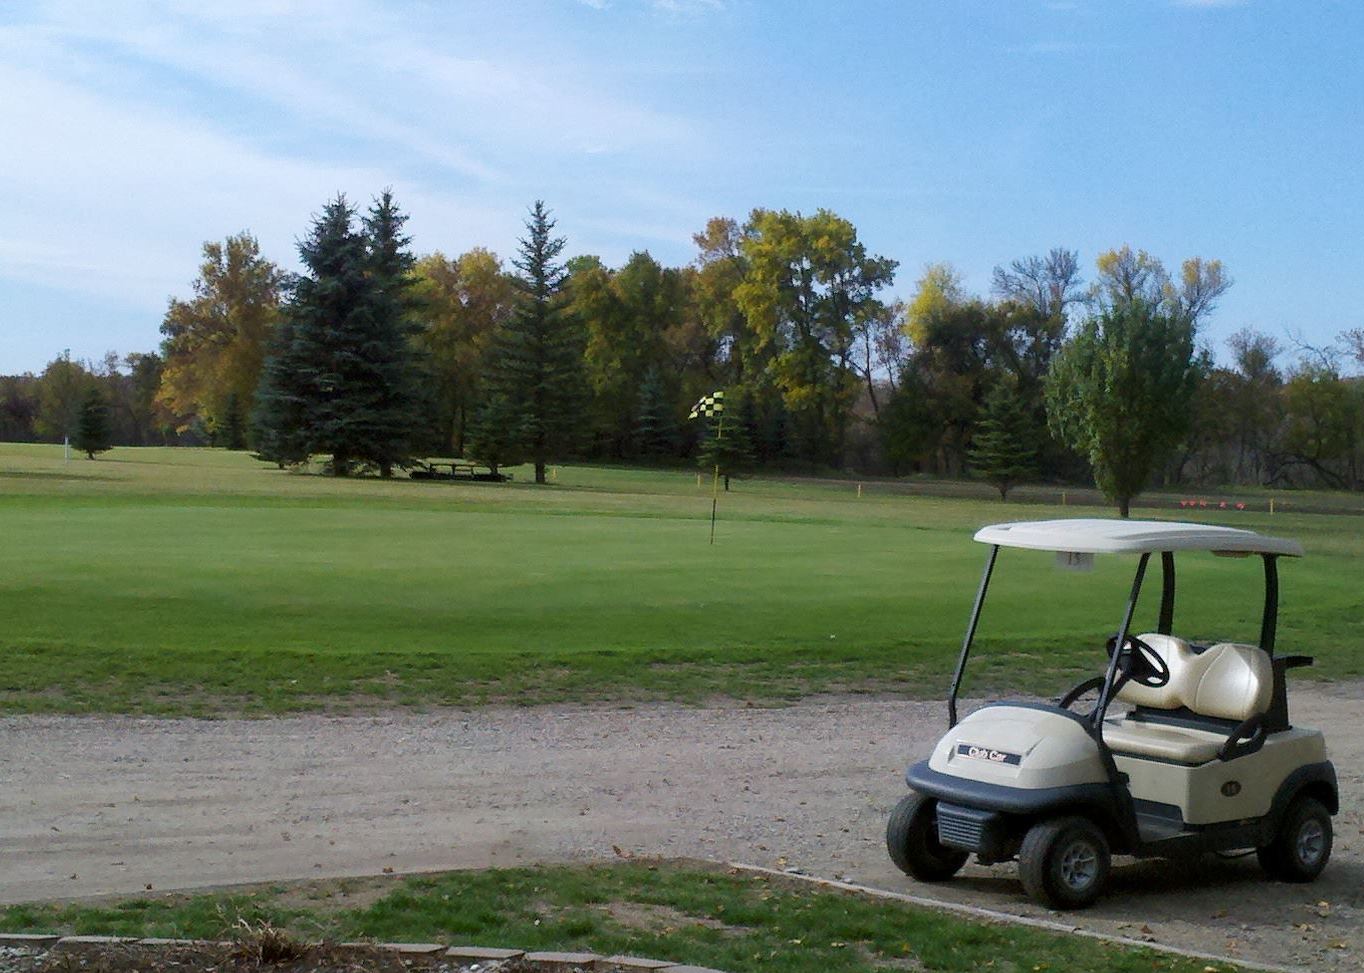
[
  {"x": 201, "y": 581},
  {"x": 663, "y": 910}
]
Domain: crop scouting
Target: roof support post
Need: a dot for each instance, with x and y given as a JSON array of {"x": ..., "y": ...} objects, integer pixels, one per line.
[
  {"x": 970, "y": 634},
  {"x": 1269, "y": 621},
  {"x": 1106, "y": 693},
  {"x": 1167, "y": 593}
]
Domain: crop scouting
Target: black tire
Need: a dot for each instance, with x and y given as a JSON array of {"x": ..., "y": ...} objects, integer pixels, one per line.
[
  {"x": 1064, "y": 862},
  {"x": 912, "y": 840},
  {"x": 1302, "y": 846}
]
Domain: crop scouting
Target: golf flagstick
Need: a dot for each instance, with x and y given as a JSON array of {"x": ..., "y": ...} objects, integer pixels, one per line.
[
  {"x": 712, "y": 407},
  {"x": 715, "y": 482}
]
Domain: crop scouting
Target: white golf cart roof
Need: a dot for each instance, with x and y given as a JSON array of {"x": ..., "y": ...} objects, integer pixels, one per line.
[{"x": 1095, "y": 536}]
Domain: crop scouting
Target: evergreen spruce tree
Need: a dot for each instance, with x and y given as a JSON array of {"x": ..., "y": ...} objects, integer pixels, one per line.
[
  {"x": 1003, "y": 450},
  {"x": 747, "y": 423},
  {"x": 393, "y": 406},
  {"x": 279, "y": 421},
  {"x": 536, "y": 357},
  {"x": 92, "y": 425},
  {"x": 727, "y": 446},
  {"x": 341, "y": 377},
  {"x": 656, "y": 432},
  {"x": 233, "y": 431},
  {"x": 495, "y": 436}
]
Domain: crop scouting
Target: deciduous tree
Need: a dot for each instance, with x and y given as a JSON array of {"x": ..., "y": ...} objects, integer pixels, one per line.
[
  {"x": 1325, "y": 425},
  {"x": 627, "y": 317},
  {"x": 808, "y": 281},
  {"x": 62, "y": 389},
  {"x": 1119, "y": 392},
  {"x": 1126, "y": 276},
  {"x": 1050, "y": 284},
  {"x": 937, "y": 289},
  {"x": 215, "y": 342},
  {"x": 462, "y": 304}
]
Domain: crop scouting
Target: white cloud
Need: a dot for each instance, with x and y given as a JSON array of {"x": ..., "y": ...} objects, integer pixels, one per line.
[
  {"x": 666, "y": 6},
  {"x": 112, "y": 200},
  {"x": 688, "y": 7},
  {"x": 141, "y": 131},
  {"x": 362, "y": 72}
]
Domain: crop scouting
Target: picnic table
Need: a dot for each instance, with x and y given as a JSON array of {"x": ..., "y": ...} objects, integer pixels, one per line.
[{"x": 456, "y": 470}]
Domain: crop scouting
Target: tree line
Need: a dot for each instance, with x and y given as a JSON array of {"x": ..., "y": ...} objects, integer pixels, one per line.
[{"x": 374, "y": 356}]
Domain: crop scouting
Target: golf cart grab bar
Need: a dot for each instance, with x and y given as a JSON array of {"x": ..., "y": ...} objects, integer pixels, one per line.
[{"x": 1247, "y": 738}]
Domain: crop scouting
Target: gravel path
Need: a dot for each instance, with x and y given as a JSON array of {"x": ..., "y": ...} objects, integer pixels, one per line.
[{"x": 104, "y": 805}]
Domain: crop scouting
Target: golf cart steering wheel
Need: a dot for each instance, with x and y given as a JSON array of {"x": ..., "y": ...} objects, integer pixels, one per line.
[{"x": 1139, "y": 662}]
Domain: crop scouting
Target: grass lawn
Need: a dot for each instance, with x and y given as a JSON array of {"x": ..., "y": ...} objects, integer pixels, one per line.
[
  {"x": 201, "y": 581},
  {"x": 667, "y": 911}
]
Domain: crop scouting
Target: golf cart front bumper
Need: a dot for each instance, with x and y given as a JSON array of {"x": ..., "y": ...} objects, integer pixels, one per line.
[{"x": 989, "y": 819}]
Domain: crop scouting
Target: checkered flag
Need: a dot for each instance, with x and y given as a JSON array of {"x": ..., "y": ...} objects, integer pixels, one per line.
[{"x": 710, "y": 406}]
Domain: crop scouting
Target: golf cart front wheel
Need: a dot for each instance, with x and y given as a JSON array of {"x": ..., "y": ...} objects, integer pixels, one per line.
[
  {"x": 1064, "y": 862},
  {"x": 912, "y": 840},
  {"x": 1302, "y": 845}
]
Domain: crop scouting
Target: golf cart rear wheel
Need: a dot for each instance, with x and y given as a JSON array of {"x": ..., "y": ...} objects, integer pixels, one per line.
[
  {"x": 912, "y": 840},
  {"x": 1302, "y": 845},
  {"x": 1064, "y": 862}
]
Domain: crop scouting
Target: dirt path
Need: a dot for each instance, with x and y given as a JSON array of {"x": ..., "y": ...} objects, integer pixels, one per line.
[{"x": 100, "y": 805}]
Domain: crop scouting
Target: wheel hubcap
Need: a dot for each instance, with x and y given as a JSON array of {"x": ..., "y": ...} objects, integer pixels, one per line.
[
  {"x": 1311, "y": 842},
  {"x": 1079, "y": 865}
]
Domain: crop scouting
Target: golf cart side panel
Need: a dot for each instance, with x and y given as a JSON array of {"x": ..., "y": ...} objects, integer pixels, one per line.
[
  {"x": 1029, "y": 747},
  {"x": 1220, "y": 791}
]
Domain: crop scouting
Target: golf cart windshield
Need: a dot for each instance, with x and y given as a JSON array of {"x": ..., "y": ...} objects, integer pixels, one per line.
[{"x": 1077, "y": 541}]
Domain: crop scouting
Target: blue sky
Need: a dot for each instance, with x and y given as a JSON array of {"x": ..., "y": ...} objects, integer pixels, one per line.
[{"x": 971, "y": 131}]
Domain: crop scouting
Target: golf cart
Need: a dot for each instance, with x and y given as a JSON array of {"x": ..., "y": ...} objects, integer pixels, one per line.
[{"x": 1204, "y": 759}]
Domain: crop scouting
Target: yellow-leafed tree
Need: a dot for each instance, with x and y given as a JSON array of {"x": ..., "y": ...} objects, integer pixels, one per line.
[
  {"x": 215, "y": 342},
  {"x": 461, "y": 302}
]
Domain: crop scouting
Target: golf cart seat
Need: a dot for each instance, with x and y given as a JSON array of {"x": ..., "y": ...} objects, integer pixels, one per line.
[{"x": 1212, "y": 699}]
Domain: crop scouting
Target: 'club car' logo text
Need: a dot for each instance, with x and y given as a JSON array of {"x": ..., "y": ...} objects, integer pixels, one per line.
[
  {"x": 980, "y": 753},
  {"x": 987, "y": 753}
]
